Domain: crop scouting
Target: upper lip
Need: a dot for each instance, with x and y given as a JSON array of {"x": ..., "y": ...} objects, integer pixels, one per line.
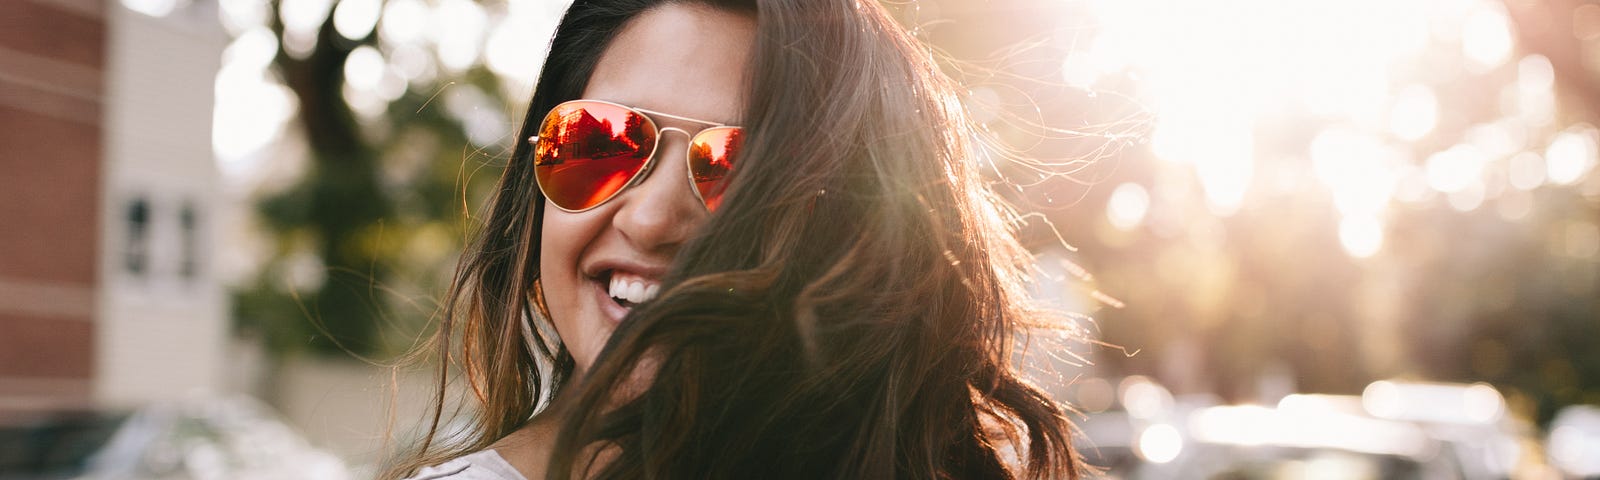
[{"x": 651, "y": 270}]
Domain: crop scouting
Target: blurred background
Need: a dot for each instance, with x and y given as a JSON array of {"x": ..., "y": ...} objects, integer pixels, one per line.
[{"x": 1303, "y": 239}]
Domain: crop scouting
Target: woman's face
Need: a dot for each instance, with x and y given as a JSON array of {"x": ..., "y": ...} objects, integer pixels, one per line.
[{"x": 685, "y": 60}]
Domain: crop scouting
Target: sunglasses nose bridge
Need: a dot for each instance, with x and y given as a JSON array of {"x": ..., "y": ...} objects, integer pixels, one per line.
[
  {"x": 661, "y": 139},
  {"x": 685, "y": 133},
  {"x": 651, "y": 163}
]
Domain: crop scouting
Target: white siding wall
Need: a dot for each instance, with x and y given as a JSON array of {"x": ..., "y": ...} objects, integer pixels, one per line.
[{"x": 162, "y": 332}]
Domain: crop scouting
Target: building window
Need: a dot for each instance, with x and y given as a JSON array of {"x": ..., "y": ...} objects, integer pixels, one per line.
[
  {"x": 136, "y": 253},
  {"x": 189, "y": 222}
]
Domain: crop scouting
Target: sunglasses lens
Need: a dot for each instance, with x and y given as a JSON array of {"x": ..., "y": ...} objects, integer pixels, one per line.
[
  {"x": 588, "y": 151},
  {"x": 711, "y": 158}
]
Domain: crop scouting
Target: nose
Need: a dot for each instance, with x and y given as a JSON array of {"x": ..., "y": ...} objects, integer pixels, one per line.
[{"x": 661, "y": 212}]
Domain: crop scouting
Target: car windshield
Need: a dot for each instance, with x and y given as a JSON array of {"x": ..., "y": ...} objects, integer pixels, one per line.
[{"x": 55, "y": 443}]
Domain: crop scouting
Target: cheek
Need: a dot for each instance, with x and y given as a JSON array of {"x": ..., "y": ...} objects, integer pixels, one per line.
[
  {"x": 559, "y": 250},
  {"x": 564, "y": 237}
]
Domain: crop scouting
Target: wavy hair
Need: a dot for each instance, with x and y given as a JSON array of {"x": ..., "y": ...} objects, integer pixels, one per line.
[{"x": 850, "y": 311}]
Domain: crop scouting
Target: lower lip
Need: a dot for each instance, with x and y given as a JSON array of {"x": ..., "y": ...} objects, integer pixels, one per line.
[{"x": 612, "y": 311}]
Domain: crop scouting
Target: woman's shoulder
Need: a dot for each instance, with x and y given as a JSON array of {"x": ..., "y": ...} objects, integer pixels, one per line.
[{"x": 484, "y": 465}]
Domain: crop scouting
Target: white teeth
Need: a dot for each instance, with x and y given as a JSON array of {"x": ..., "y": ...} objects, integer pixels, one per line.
[{"x": 633, "y": 288}]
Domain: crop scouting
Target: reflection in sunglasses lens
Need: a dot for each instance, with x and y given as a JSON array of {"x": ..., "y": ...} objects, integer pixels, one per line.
[
  {"x": 711, "y": 158},
  {"x": 587, "y": 152}
]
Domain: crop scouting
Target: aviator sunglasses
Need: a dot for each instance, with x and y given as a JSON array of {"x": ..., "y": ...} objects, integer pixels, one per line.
[{"x": 589, "y": 151}]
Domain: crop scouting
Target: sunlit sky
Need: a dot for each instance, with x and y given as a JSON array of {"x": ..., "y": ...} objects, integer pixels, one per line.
[
  {"x": 1215, "y": 72},
  {"x": 1212, "y": 73}
]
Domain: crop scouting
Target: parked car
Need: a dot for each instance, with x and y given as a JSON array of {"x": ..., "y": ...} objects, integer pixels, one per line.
[
  {"x": 207, "y": 438},
  {"x": 1258, "y": 442},
  {"x": 1574, "y": 441}
]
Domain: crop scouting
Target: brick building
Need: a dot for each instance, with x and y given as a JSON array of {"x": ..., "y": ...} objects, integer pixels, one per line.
[
  {"x": 106, "y": 177},
  {"x": 52, "y": 102}
]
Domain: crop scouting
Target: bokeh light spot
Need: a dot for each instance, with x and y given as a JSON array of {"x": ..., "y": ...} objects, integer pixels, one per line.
[
  {"x": 354, "y": 19},
  {"x": 1414, "y": 114},
  {"x": 1127, "y": 206},
  {"x": 1571, "y": 155},
  {"x": 1486, "y": 37},
  {"x": 1160, "y": 443},
  {"x": 1361, "y": 235}
]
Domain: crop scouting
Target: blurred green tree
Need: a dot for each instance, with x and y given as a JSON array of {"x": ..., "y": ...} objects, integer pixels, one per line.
[{"x": 380, "y": 211}]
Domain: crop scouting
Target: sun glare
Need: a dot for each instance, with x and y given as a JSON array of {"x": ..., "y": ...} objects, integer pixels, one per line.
[{"x": 1376, "y": 75}]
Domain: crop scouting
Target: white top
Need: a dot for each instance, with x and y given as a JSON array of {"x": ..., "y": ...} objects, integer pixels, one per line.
[{"x": 484, "y": 465}]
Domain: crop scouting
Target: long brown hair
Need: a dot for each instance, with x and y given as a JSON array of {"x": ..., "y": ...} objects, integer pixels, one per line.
[{"x": 849, "y": 312}]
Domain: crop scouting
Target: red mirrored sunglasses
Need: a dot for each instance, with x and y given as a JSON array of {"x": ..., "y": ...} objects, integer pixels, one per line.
[{"x": 589, "y": 151}]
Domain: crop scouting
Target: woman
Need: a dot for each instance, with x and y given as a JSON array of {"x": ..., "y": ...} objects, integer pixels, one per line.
[{"x": 820, "y": 286}]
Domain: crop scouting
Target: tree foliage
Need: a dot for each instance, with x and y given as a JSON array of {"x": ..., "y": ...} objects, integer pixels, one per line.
[{"x": 378, "y": 215}]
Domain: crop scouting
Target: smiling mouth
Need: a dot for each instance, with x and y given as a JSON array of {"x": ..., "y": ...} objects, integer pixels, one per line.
[{"x": 629, "y": 289}]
